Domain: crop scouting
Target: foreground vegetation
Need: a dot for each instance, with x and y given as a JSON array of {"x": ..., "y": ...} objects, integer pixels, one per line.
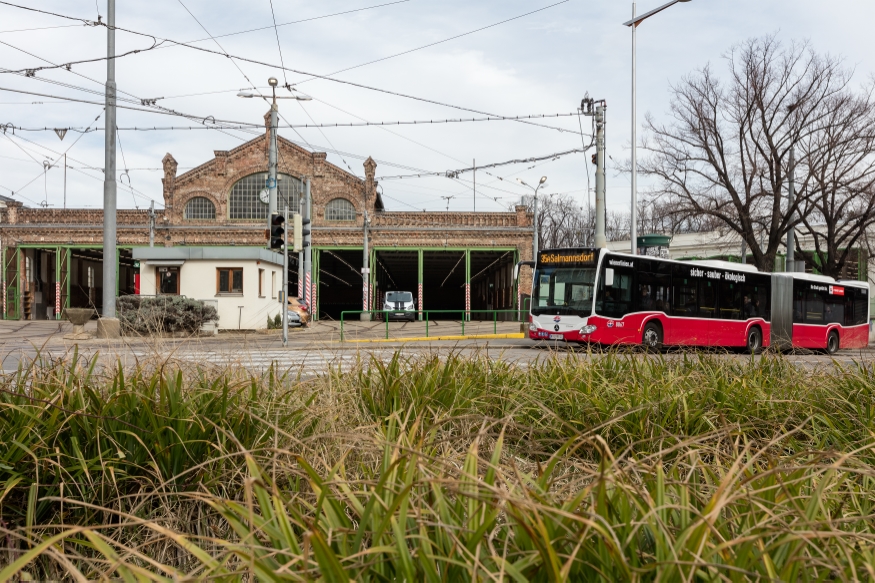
[{"x": 450, "y": 469}]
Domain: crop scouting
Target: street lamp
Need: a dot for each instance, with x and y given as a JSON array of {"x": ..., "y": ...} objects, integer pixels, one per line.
[
  {"x": 534, "y": 215},
  {"x": 636, "y": 20}
]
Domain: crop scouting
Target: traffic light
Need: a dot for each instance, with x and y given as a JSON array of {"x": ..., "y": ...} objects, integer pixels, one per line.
[
  {"x": 595, "y": 158},
  {"x": 305, "y": 232},
  {"x": 277, "y": 230},
  {"x": 297, "y": 243}
]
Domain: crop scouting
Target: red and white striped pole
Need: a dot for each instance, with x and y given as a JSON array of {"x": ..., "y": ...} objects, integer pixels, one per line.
[
  {"x": 57, "y": 300},
  {"x": 467, "y": 301},
  {"x": 419, "y": 301}
]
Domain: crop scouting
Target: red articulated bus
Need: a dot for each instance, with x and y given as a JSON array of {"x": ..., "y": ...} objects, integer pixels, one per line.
[{"x": 609, "y": 298}]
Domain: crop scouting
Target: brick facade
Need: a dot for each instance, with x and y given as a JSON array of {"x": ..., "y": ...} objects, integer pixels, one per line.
[{"x": 214, "y": 180}]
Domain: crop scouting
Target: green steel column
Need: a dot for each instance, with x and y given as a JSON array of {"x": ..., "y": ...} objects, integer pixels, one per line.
[
  {"x": 118, "y": 257},
  {"x": 419, "y": 301},
  {"x": 467, "y": 284},
  {"x": 58, "y": 306},
  {"x": 69, "y": 263},
  {"x": 372, "y": 278},
  {"x": 315, "y": 283},
  {"x": 19, "y": 304}
]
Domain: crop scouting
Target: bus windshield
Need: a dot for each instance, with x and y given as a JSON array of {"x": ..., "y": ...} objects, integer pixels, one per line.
[{"x": 563, "y": 290}]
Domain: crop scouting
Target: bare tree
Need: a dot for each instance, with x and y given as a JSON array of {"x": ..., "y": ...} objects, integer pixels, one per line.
[
  {"x": 564, "y": 222},
  {"x": 725, "y": 152}
]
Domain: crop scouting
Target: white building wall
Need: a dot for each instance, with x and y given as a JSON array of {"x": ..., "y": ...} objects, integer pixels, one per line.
[{"x": 197, "y": 280}]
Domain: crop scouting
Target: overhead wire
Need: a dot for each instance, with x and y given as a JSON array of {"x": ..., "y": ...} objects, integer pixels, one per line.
[
  {"x": 314, "y": 75},
  {"x": 470, "y": 32},
  {"x": 278, "y": 46}
]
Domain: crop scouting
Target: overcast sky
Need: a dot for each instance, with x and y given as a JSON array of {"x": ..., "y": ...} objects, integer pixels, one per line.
[{"x": 542, "y": 63}]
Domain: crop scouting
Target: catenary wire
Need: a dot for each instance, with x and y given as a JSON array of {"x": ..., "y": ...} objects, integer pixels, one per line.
[
  {"x": 470, "y": 32},
  {"x": 315, "y": 75}
]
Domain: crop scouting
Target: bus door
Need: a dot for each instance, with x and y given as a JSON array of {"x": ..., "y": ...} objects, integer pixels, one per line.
[{"x": 732, "y": 309}]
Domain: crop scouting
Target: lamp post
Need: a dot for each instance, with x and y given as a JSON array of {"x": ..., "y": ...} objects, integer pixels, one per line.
[
  {"x": 534, "y": 215},
  {"x": 636, "y": 20}
]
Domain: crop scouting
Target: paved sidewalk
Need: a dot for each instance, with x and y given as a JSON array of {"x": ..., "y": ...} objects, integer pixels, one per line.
[{"x": 38, "y": 332}]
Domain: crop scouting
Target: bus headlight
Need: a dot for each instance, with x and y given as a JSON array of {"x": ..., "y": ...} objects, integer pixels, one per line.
[
  {"x": 589, "y": 329},
  {"x": 533, "y": 326}
]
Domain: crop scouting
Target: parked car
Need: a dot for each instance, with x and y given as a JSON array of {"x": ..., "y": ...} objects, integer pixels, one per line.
[
  {"x": 400, "y": 305},
  {"x": 299, "y": 315}
]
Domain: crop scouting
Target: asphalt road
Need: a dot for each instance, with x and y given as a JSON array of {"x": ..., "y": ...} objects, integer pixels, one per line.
[{"x": 312, "y": 350}]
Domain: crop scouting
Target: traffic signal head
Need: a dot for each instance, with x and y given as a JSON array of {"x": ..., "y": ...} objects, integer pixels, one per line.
[
  {"x": 595, "y": 158},
  {"x": 305, "y": 232},
  {"x": 277, "y": 230},
  {"x": 298, "y": 243}
]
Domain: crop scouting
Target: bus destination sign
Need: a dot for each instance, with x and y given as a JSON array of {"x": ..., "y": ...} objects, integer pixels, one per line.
[{"x": 570, "y": 257}]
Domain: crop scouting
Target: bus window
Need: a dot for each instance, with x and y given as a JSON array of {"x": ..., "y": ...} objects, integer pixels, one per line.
[
  {"x": 813, "y": 307},
  {"x": 834, "y": 310},
  {"x": 652, "y": 291},
  {"x": 731, "y": 301},
  {"x": 856, "y": 306},
  {"x": 758, "y": 289},
  {"x": 615, "y": 301},
  {"x": 684, "y": 298},
  {"x": 707, "y": 299},
  {"x": 798, "y": 303}
]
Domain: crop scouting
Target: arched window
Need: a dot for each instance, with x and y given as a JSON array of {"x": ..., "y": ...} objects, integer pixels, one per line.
[
  {"x": 339, "y": 209},
  {"x": 200, "y": 208},
  {"x": 246, "y": 203}
]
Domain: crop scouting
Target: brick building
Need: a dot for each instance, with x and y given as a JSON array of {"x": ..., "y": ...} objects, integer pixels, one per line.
[{"x": 453, "y": 261}]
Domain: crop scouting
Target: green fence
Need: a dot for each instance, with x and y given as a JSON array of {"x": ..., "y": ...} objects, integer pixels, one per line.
[{"x": 520, "y": 316}]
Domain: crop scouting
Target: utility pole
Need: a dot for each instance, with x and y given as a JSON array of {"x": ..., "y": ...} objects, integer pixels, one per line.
[
  {"x": 366, "y": 271},
  {"x": 108, "y": 325},
  {"x": 271, "y": 156},
  {"x": 65, "y": 181},
  {"x": 790, "y": 263},
  {"x": 475, "y": 184},
  {"x": 535, "y": 228},
  {"x": 152, "y": 224},
  {"x": 600, "y": 239},
  {"x": 286, "y": 280},
  {"x": 596, "y": 108},
  {"x": 634, "y": 232}
]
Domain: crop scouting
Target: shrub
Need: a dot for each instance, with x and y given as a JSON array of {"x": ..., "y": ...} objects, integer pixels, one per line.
[{"x": 149, "y": 315}]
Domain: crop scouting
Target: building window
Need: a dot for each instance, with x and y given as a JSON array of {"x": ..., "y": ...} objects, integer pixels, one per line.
[
  {"x": 339, "y": 209},
  {"x": 261, "y": 283},
  {"x": 273, "y": 284},
  {"x": 200, "y": 208},
  {"x": 245, "y": 202},
  {"x": 229, "y": 280},
  {"x": 168, "y": 280}
]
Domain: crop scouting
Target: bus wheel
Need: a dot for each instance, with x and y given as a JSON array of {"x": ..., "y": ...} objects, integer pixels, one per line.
[
  {"x": 651, "y": 338},
  {"x": 832, "y": 342},
  {"x": 754, "y": 340}
]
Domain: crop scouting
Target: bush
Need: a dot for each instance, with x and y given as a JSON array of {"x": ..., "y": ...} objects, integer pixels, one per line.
[
  {"x": 275, "y": 323},
  {"x": 150, "y": 315}
]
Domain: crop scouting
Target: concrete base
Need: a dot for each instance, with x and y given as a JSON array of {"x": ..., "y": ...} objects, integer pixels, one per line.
[
  {"x": 365, "y": 317},
  {"x": 78, "y": 333},
  {"x": 108, "y": 328}
]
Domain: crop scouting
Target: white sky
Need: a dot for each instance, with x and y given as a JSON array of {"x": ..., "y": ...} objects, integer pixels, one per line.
[{"x": 539, "y": 64}]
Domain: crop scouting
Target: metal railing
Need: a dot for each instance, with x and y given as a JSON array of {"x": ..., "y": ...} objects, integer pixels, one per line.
[{"x": 520, "y": 316}]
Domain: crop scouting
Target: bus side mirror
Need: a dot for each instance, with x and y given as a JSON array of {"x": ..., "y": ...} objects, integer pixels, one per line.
[{"x": 609, "y": 277}]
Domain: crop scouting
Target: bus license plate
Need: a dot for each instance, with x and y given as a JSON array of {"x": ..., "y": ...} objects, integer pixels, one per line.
[
  {"x": 399, "y": 313},
  {"x": 557, "y": 337}
]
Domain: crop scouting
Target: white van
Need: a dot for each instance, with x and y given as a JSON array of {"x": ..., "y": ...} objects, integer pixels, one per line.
[{"x": 400, "y": 305}]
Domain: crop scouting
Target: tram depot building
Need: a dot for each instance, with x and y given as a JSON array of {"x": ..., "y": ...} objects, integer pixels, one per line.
[{"x": 52, "y": 258}]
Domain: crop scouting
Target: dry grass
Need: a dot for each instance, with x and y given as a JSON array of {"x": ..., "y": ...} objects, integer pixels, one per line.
[{"x": 441, "y": 469}]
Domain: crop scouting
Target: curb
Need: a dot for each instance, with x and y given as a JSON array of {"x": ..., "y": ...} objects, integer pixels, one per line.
[{"x": 518, "y": 336}]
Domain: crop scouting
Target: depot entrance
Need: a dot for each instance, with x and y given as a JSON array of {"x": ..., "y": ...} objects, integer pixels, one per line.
[
  {"x": 395, "y": 271},
  {"x": 340, "y": 281}
]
